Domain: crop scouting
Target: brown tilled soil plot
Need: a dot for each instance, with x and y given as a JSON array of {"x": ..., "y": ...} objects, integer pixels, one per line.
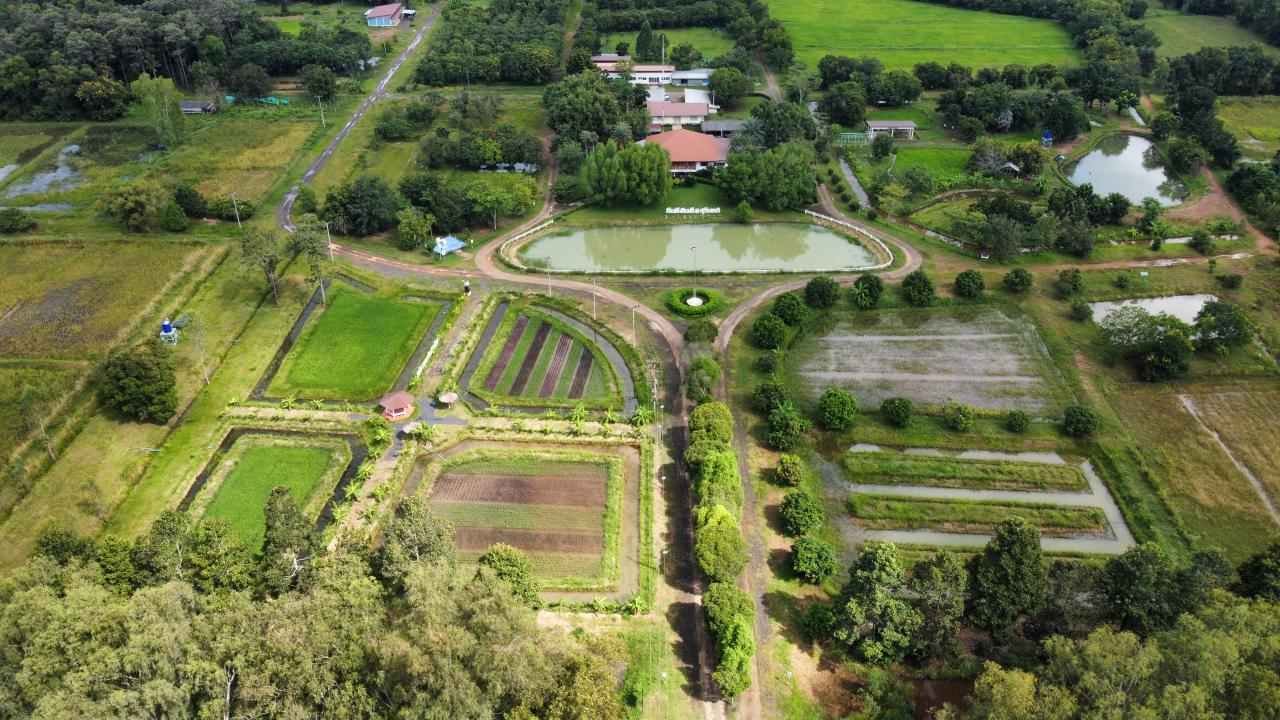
[
  {"x": 534, "y": 541},
  {"x": 570, "y": 490},
  {"x": 552, "y": 378},
  {"x": 581, "y": 374}
]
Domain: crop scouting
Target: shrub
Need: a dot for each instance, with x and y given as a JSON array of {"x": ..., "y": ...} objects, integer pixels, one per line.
[
  {"x": 567, "y": 190},
  {"x": 801, "y": 513},
  {"x": 1018, "y": 281},
  {"x": 837, "y": 409},
  {"x": 790, "y": 308},
  {"x": 871, "y": 213},
  {"x": 897, "y": 411},
  {"x": 1069, "y": 283},
  {"x": 701, "y": 331},
  {"x": 713, "y": 421},
  {"x": 1079, "y": 421},
  {"x": 194, "y": 206},
  {"x": 140, "y": 383},
  {"x": 675, "y": 301},
  {"x": 703, "y": 375},
  {"x": 866, "y": 291},
  {"x": 821, "y": 292},
  {"x": 512, "y": 567},
  {"x": 1231, "y": 281},
  {"x": 970, "y": 284},
  {"x": 743, "y": 212},
  {"x": 820, "y": 619},
  {"x": 767, "y": 363},
  {"x": 786, "y": 427},
  {"x": 224, "y": 208},
  {"x": 958, "y": 416},
  {"x": 917, "y": 289},
  {"x": 1123, "y": 280},
  {"x": 172, "y": 219},
  {"x": 813, "y": 560},
  {"x": 13, "y": 220},
  {"x": 1017, "y": 421},
  {"x": 718, "y": 482},
  {"x": 768, "y": 395},
  {"x": 718, "y": 545},
  {"x": 730, "y": 615},
  {"x": 1202, "y": 242},
  {"x": 305, "y": 201},
  {"x": 854, "y": 205},
  {"x": 1080, "y": 310},
  {"x": 768, "y": 332},
  {"x": 789, "y": 470}
]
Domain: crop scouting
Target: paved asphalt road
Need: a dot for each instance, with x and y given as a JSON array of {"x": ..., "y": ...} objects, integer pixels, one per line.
[{"x": 284, "y": 212}]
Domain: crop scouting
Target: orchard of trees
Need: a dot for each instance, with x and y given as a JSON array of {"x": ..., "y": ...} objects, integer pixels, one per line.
[{"x": 507, "y": 41}]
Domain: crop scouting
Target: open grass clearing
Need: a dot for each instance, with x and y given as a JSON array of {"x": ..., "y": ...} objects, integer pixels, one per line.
[
  {"x": 697, "y": 195},
  {"x": 52, "y": 381},
  {"x": 878, "y": 512},
  {"x": 1214, "y": 502},
  {"x": 1247, "y": 420},
  {"x": 952, "y": 472},
  {"x": 72, "y": 301},
  {"x": 711, "y": 42},
  {"x": 985, "y": 356},
  {"x": 1182, "y": 33},
  {"x": 355, "y": 348},
  {"x": 902, "y": 33},
  {"x": 256, "y": 465},
  {"x": 1255, "y": 122}
]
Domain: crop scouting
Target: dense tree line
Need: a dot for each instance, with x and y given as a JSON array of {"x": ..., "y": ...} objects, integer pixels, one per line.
[
  {"x": 504, "y": 42},
  {"x": 186, "y": 621},
  {"x": 747, "y": 23},
  {"x": 777, "y": 178},
  {"x": 66, "y": 59},
  {"x": 1257, "y": 188},
  {"x": 614, "y": 15},
  {"x": 588, "y": 108},
  {"x": 996, "y": 106}
]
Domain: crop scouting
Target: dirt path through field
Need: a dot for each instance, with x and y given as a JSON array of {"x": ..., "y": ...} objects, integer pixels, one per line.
[{"x": 1190, "y": 404}]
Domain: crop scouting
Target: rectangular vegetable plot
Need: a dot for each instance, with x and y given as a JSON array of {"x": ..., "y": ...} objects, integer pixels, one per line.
[
  {"x": 355, "y": 348},
  {"x": 553, "y": 509}
]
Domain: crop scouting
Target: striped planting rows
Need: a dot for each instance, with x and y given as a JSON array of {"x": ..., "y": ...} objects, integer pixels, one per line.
[
  {"x": 551, "y": 364},
  {"x": 495, "y": 373}
]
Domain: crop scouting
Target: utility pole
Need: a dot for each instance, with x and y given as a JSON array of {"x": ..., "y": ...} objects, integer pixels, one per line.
[
  {"x": 236, "y": 205},
  {"x": 322, "y": 122},
  {"x": 329, "y": 238},
  {"x": 594, "y": 281},
  {"x": 548, "y": 282},
  {"x": 633, "y": 323}
]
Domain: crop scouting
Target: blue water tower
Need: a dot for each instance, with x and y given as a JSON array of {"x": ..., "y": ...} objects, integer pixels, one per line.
[
  {"x": 1047, "y": 140},
  {"x": 166, "y": 327}
]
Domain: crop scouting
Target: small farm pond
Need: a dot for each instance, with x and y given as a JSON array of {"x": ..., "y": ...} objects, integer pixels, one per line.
[
  {"x": 1183, "y": 307},
  {"x": 1131, "y": 166},
  {"x": 711, "y": 247}
]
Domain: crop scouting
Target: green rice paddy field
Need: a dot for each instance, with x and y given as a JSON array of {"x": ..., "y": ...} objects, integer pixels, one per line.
[
  {"x": 355, "y": 348},
  {"x": 1181, "y": 34},
  {"x": 894, "y": 468},
  {"x": 712, "y": 43},
  {"x": 1255, "y": 122},
  {"x": 879, "y": 512},
  {"x": 902, "y": 33},
  {"x": 259, "y": 469}
]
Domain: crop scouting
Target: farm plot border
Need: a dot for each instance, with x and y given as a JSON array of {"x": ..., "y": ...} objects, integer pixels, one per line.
[
  {"x": 354, "y": 443},
  {"x": 406, "y": 374},
  {"x": 635, "y": 578},
  {"x": 482, "y": 398},
  {"x": 1097, "y": 497}
]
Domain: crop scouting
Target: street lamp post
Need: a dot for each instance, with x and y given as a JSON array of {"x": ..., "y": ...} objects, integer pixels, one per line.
[
  {"x": 633, "y": 324},
  {"x": 694, "y": 249},
  {"x": 329, "y": 238},
  {"x": 595, "y": 281},
  {"x": 548, "y": 282},
  {"x": 236, "y": 205}
]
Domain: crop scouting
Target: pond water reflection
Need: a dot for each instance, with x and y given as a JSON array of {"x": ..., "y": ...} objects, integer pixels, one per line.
[{"x": 1131, "y": 166}]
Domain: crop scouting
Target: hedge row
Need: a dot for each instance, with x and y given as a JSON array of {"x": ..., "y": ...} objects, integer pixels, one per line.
[{"x": 718, "y": 545}]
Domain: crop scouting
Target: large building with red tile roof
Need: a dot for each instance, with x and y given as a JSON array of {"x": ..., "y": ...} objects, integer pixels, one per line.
[{"x": 691, "y": 151}]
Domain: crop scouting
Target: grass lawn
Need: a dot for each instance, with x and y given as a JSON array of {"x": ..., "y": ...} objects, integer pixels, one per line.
[
  {"x": 1180, "y": 33},
  {"x": 742, "y": 111},
  {"x": 943, "y": 162},
  {"x": 288, "y": 25},
  {"x": 712, "y": 43},
  {"x": 699, "y": 195},
  {"x": 883, "y": 512},
  {"x": 903, "y": 469},
  {"x": 17, "y": 143},
  {"x": 258, "y": 470},
  {"x": 902, "y": 33},
  {"x": 355, "y": 349},
  {"x": 1255, "y": 122}
]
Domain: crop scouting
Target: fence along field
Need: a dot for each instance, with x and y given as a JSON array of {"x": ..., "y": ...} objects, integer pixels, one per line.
[
  {"x": 562, "y": 509},
  {"x": 902, "y": 33},
  {"x": 981, "y": 356},
  {"x": 532, "y": 357}
]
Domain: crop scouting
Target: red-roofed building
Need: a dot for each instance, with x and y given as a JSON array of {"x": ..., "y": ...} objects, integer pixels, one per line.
[
  {"x": 691, "y": 151},
  {"x": 384, "y": 15}
]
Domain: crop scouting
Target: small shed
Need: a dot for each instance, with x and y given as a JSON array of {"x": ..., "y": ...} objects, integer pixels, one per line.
[
  {"x": 892, "y": 128},
  {"x": 198, "y": 107},
  {"x": 722, "y": 128},
  {"x": 396, "y": 405},
  {"x": 695, "y": 76},
  {"x": 1010, "y": 170}
]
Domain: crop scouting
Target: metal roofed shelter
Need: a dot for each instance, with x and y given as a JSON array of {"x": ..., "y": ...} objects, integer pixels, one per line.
[
  {"x": 722, "y": 128},
  {"x": 447, "y": 244},
  {"x": 384, "y": 15},
  {"x": 694, "y": 76},
  {"x": 198, "y": 107},
  {"x": 673, "y": 113},
  {"x": 892, "y": 128}
]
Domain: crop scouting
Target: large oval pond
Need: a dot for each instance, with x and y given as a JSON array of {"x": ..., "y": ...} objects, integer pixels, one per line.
[
  {"x": 1131, "y": 166},
  {"x": 710, "y": 247}
]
